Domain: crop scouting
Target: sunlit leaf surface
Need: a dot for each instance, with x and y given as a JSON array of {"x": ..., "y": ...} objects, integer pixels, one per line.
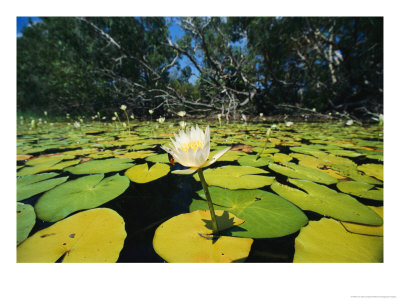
[
  {"x": 101, "y": 166},
  {"x": 267, "y": 215},
  {"x": 82, "y": 193},
  {"x": 188, "y": 238},
  {"x": 26, "y": 219},
  {"x": 95, "y": 235},
  {"x": 142, "y": 173},
  {"x": 30, "y": 185},
  {"x": 328, "y": 241},
  {"x": 236, "y": 177},
  {"x": 327, "y": 202}
]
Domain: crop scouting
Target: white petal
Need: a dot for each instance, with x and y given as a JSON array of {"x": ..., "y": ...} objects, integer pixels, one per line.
[
  {"x": 216, "y": 156},
  {"x": 185, "y": 172}
]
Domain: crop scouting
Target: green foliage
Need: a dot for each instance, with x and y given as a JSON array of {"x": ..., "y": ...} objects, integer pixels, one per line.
[{"x": 266, "y": 215}]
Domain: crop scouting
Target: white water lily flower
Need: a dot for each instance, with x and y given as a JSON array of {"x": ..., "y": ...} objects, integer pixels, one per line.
[
  {"x": 151, "y": 111},
  {"x": 182, "y": 124},
  {"x": 113, "y": 118},
  {"x": 123, "y": 107},
  {"x": 161, "y": 120},
  {"x": 132, "y": 116},
  {"x": 192, "y": 148},
  {"x": 181, "y": 113},
  {"x": 288, "y": 124}
]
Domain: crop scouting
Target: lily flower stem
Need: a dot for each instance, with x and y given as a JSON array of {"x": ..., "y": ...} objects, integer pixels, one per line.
[
  {"x": 127, "y": 120},
  {"x": 209, "y": 202}
]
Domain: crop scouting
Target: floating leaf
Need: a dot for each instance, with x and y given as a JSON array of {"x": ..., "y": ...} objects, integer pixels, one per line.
[
  {"x": 101, "y": 166},
  {"x": 23, "y": 157},
  {"x": 50, "y": 165},
  {"x": 160, "y": 158},
  {"x": 326, "y": 202},
  {"x": 375, "y": 170},
  {"x": 347, "y": 153},
  {"x": 366, "y": 229},
  {"x": 95, "y": 235},
  {"x": 327, "y": 241},
  {"x": 361, "y": 189},
  {"x": 316, "y": 163},
  {"x": 26, "y": 219},
  {"x": 228, "y": 156},
  {"x": 46, "y": 159},
  {"x": 351, "y": 172},
  {"x": 30, "y": 185},
  {"x": 236, "y": 177},
  {"x": 142, "y": 173},
  {"x": 254, "y": 161},
  {"x": 281, "y": 157},
  {"x": 188, "y": 238},
  {"x": 302, "y": 172},
  {"x": 82, "y": 193},
  {"x": 137, "y": 154},
  {"x": 266, "y": 215}
]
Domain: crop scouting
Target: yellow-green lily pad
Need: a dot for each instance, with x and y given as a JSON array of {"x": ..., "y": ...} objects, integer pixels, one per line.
[
  {"x": 82, "y": 193},
  {"x": 95, "y": 235},
  {"x": 375, "y": 170},
  {"x": 50, "y": 165},
  {"x": 327, "y": 240},
  {"x": 361, "y": 189},
  {"x": 101, "y": 166},
  {"x": 302, "y": 172},
  {"x": 189, "y": 238},
  {"x": 159, "y": 158},
  {"x": 366, "y": 229},
  {"x": 236, "y": 177},
  {"x": 26, "y": 219},
  {"x": 327, "y": 202},
  {"x": 267, "y": 215},
  {"x": 142, "y": 173},
  {"x": 137, "y": 154},
  {"x": 254, "y": 160},
  {"x": 30, "y": 185}
]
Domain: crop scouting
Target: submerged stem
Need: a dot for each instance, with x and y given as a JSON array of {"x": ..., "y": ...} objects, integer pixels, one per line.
[{"x": 209, "y": 202}]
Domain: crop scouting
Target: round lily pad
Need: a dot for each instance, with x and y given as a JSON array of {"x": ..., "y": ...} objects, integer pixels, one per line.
[
  {"x": 375, "y": 170},
  {"x": 302, "y": 172},
  {"x": 82, "y": 193},
  {"x": 327, "y": 202},
  {"x": 26, "y": 219},
  {"x": 142, "y": 173},
  {"x": 95, "y": 235},
  {"x": 361, "y": 189},
  {"x": 159, "y": 158},
  {"x": 188, "y": 238},
  {"x": 30, "y": 185},
  {"x": 366, "y": 229},
  {"x": 236, "y": 177},
  {"x": 266, "y": 215},
  {"x": 328, "y": 241},
  {"x": 254, "y": 160},
  {"x": 101, "y": 166}
]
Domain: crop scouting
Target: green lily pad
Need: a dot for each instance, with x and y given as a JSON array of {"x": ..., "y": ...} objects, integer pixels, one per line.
[
  {"x": 51, "y": 165},
  {"x": 101, "y": 166},
  {"x": 347, "y": 153},
  {"x": 82, "y": 193},
  {"x": 375, "y": 170},
  {"x": 236, "y": 177},
  {"x": 254, "y": 160},
  {"x": 352, "y": 172},
  {"x": 95, "y": 235},
  {"x": 159, "y": 158},
  {"x": 302, "y": 172},
  {"x": 266, "y": 215},
  {"x": 189, "y": 238},
  {"x": 26, "y": 219},
  {"x": 281, "y": 157},
  {"x": 30, "y": 185},
  {"x": 56, "y": 158},
  {"x": 142, "y": 173},
  {"x": 328, "y": 241},
  {"x": 327, "y": 202},
  {"x": 361, "y": 189}
]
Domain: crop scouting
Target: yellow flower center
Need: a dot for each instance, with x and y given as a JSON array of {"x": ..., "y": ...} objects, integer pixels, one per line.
[{"x": 193, "y": 145}]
